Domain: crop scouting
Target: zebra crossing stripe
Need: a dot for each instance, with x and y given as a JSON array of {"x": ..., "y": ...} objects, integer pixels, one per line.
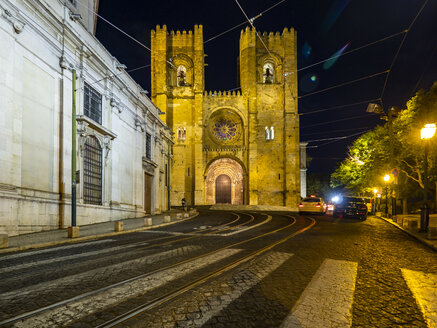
[
  {"x": 327, "y": 300},
  {"x": 424, "y": 288},
  {"x": 238, "y": 285}
]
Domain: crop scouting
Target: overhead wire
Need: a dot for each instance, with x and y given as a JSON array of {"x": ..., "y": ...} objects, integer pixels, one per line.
[
  {"x": 119, "y": 29},
  {"x": 345, "y": 83},
  {"x": 251, "y": 23},
  {"x": 349, "y": 136},
  {"x": 342, "y": 130},
  {"x": 350, "y": 51},
  {"x": 341, "y": 120},
  {"x": 423, "y": 72},
  {"x": 338, "y": 107},
  {"x": 399, "y": 49},
  {"x": 245, "y": 22}
]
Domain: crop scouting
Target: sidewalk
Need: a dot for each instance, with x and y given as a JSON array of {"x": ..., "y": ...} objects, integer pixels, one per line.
[
  {"x": 93, "y": 231},
  {"x": 420, "y": 236}
]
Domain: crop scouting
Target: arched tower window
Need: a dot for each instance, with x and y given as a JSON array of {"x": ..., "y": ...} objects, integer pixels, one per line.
[
  {"x": 272, "y": 133},
  {"x": 267, "y": 133},
  {"x": 92, "y": 171},
  {"x": 181, "y": 76},
  {"x": 268, "y": 73},
  {"x": 181, "y": 133}
]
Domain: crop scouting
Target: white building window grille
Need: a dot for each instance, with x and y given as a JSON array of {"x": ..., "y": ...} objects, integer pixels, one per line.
[
  {"x": 148, "y": 146},
  {"x": 92, "y": 171},
  {"x": 73, "y": 3},
  {"x": 92, "y": 106}
]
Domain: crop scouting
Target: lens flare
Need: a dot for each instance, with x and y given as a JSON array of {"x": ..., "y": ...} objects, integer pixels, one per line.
[
  {"x": 331, "y": 61},
  {"x": 306, "y": 49},
  {"x": 333, "y": 14}
]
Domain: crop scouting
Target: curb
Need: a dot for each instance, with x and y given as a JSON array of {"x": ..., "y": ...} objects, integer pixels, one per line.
[
  {"x": 85, "y": 238},
  {"x": 422, "y": 240}
]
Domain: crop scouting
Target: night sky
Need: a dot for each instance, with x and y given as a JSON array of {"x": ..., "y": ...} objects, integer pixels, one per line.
[{"x": 324, "y": 28}]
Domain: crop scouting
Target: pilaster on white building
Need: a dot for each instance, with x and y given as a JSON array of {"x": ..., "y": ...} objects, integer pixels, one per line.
[{"x": 123, "y": 147}]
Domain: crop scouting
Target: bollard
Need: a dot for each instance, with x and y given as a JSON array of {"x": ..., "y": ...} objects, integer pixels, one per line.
[
  {"x": 148, "y": 222},
  {"x": 432, "y": 233},
  {"x": 167, "y": 218},
  {"x": 118, "y": 226},
  {"x": 73, "y": 232},
  {"x": 4, "y": 241}
]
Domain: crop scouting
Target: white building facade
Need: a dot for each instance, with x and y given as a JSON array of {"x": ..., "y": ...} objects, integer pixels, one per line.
[{"x": 123, "y": 147}]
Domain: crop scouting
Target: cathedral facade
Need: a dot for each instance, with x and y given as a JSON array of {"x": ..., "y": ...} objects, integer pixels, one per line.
[{"x": 235, "y": 147}]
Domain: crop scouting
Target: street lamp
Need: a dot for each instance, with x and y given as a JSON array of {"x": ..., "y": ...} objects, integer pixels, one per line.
[
  {"x": 426, "y": 133},
  {"x": 386, "y": 180}
]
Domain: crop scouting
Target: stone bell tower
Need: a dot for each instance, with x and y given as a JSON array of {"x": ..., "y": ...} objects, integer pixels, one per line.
[
  {"x": 177, "y": 72},
  {"x": 268, "y": 75}
]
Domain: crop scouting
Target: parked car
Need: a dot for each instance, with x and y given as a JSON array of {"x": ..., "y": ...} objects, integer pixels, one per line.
[
  {"x": 369, "y": 204},
  {"x": 351, "y": 207},
  {"x": 312, "y": 204}
]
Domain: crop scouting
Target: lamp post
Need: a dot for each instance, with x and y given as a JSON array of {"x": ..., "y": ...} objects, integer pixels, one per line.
[
  {"x": 388, "y": 115},
  {"x": 386, "y": 180},
  {"x": 425, "y": 134},
  {"x": 375, "y": 191}
]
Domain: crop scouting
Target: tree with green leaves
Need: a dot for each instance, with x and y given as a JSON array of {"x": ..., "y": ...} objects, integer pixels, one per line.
[{"x": 369, "y": 156}]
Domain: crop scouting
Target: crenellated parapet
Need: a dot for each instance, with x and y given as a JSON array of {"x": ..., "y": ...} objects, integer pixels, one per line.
[
  {"x": 180, "y": 38},
  {"x": 222, "y": 94},
  {"x": 248, "y": 35}
]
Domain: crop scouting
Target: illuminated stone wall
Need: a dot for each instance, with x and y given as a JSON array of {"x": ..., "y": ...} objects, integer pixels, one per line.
[{"x": 226, "y": 131}]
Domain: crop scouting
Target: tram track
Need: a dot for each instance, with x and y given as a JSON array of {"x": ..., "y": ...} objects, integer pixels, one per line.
[
  {"x": 182, "y": 289},
  {"x": 225, "y": 268}
]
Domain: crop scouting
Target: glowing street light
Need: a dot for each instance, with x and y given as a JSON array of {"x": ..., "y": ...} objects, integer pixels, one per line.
[{"x": 426, "y": 133}]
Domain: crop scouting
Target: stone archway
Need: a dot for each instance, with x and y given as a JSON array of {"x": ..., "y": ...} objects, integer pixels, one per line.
[{"x": 231, "y": 169}]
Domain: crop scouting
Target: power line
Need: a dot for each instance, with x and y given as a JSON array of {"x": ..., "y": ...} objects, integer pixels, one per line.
[
  {"x": 245, "y": 22},
  {"x": 344, "y": 119},
  {"x": 342, "y": 130},
  {"x": 119, "y": 29},
  {"x": 399, "y": 49},
  {"x": 114, "y": 75},
  {"x": 346, "y": 83},
  {"x": 329, "y": 142},
  {"x": 251, "y": 23},
  {"x": 352, "y": 50},
  {"x": 338, "y": 107},
  {"x": 423, "y": 72}
]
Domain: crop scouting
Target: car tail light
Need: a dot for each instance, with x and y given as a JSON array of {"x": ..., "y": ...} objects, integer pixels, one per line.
[
  {"x": 300, "y": 205},
  {"x": 318, "y": 205}
]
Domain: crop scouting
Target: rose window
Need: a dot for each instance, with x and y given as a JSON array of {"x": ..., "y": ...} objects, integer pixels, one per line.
[{"x": 225, "y": 129}]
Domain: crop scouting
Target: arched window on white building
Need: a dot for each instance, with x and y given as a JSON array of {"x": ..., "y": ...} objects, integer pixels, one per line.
[
  {"x": 181, "y": 76},
  {"x": 268, "y": 73}
]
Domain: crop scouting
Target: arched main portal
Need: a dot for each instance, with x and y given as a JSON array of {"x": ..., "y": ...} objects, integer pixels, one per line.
[
  {"x": 225, "y": 182},
  {"x": 223, "y": 189}
]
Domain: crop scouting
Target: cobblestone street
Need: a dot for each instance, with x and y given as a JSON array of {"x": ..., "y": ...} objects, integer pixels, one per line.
[{"x": 338, "y": 273}]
